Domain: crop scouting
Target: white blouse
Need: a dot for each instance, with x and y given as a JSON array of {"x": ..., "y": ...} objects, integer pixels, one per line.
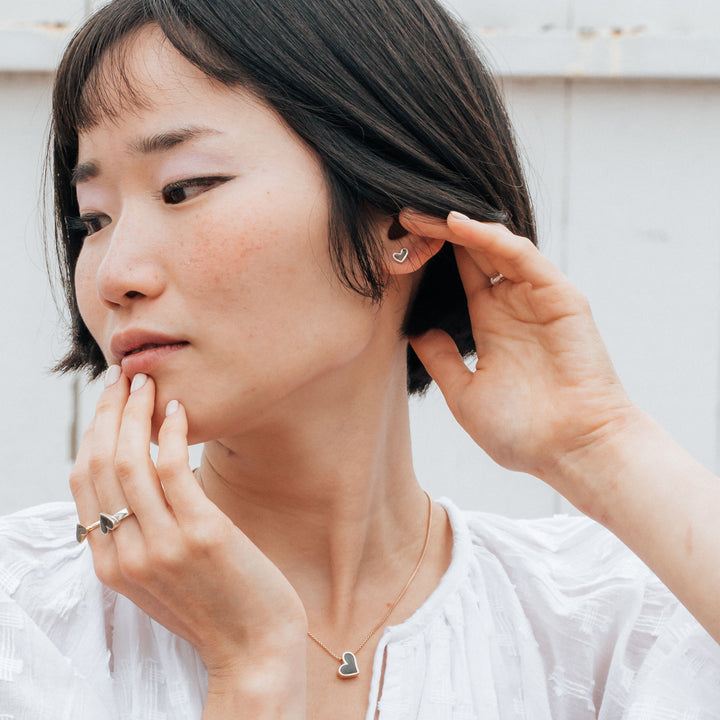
[{"x": 551, "y": 619}]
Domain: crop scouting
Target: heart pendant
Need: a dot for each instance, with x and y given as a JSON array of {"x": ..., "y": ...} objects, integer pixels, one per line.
[
  {"x": 401, "y": 256},
  {"x": 349, "y": 668}
]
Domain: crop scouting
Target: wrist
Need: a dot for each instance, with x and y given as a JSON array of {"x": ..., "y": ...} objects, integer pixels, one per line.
[
  {"x": 260, "y": 686},
  {"x": 263, "y": 644},
  {"x": 591, "y": 477}
]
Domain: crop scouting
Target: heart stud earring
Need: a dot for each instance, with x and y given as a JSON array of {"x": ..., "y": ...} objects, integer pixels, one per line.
[{"x": 401, "y": 256}]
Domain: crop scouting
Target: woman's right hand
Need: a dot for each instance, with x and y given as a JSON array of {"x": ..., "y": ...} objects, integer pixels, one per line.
[{"x": 183, "y": 562}]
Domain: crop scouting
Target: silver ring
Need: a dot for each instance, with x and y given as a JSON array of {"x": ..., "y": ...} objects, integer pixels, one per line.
[
  {"x": 108, "y": 523},
  {"x": 81, "y": 532},
  {"x": 496, "y": 279}
]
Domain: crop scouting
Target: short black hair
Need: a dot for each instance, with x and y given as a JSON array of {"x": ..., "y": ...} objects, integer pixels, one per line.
[{"x": 391, "y": 94}]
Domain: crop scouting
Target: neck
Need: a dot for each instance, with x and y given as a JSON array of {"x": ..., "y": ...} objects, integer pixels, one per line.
[{"x": 327, "y": 491}]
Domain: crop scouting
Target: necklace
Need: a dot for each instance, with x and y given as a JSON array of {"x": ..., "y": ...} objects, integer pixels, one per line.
[{"x": 348, "y": 660}]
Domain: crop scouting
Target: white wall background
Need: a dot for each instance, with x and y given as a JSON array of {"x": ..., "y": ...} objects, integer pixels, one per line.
[{"x": 616, "y": 103}]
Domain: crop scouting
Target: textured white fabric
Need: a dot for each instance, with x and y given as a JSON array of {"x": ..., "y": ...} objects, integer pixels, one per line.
[{"x": 550, "y": 618}]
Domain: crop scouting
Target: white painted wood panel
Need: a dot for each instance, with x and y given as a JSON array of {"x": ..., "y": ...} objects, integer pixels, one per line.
[
  {"x": 36, "y": 408},
  {"x": 687, "y": 16},
  {"x": 518, "y": 14},
  {"x": 657, "y": 16},
  {"x": 644, "y": 225},
  {"x": 42, "y": 11},
  {"x": 578, "y": 54}
]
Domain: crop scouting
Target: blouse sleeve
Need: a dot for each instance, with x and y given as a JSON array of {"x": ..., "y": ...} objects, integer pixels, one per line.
[
  {"x": 614, "y": 642},
  {"x": 53, "y": 654}
]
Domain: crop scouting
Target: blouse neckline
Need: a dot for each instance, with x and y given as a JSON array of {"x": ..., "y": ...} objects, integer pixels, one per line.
[{"x": 455, "y": 574}]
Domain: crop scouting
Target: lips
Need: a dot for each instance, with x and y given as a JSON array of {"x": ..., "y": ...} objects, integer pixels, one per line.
[
  {"x": 149, "y": 346},
  {"x": 130, "y": 347}
]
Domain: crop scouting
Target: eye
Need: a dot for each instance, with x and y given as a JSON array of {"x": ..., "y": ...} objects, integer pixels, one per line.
[
  {"x": 88, "y": 224},
  {"x": 183, "y": 190}
]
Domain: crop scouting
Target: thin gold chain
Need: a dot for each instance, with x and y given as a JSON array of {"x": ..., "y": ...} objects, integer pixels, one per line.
[{"x": 397, "y": 599}]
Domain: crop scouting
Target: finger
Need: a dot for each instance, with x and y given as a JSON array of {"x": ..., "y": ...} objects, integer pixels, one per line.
[
  {"x": 81, "y": 487},
  {"x": 133, "y": 465},
  {"x": 474, "y": 278},
  {"x": 173, "y": 465},
  {"x": 439, "y": 354},
  {"x": 101, "y": 460},
  {"x": 514, "y": 256},
  {"x": 429, "y": 226}
]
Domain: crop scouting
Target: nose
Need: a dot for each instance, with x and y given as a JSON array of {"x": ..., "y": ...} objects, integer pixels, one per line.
[{"x": 132, "y": 265}]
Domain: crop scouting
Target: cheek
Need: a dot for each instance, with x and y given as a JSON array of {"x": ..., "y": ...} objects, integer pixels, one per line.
[
  {"x": 265, "y": 249},
  {"x": 86, "y": 288},
  {"x": 221, "y": 252}
]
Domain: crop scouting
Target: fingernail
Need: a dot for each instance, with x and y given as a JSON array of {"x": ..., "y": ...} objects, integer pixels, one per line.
[
  {"x": 137, "y": 382},
  {"x": 459, "y": 216},
  {"x": 112, "y": 375},
  {"x": 172, "y": 407}
]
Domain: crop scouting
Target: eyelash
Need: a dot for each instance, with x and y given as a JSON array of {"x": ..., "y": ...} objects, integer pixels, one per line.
[
  {"x": 201, "y": 182},
  {"x": 90, "y": 223},
  {"x": 80, "y": 227}
]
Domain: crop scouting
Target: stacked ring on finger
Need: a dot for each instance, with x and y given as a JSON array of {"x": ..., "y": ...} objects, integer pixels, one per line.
[
  {"x": 496, "y": 279},
  {"x": 108, "y": 522},
  {"x": 81, "y": 532}
]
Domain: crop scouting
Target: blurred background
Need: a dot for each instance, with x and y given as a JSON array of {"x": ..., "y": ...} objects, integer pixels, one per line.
[{"x": 617, "y": 108}]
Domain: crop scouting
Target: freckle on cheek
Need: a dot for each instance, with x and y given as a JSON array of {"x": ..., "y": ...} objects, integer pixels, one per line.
[{"x": 218, "y": 258}]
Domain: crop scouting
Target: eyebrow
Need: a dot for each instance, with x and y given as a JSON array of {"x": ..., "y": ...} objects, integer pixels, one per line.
[{"x": 159, "y": 143}]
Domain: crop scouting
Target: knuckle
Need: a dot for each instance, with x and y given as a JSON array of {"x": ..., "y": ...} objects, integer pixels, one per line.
[
  {"x": 583, "y": 303},
  {"x": 166, "y": 557},
  {"x": 133, "y": 410},
  {"x": 201, "y": 539},
  {"x": 521, "y": 248},
  {"x": 107, "y": 572},
  {"x": 124, "y": 468},
  {"x": 104, "y": 404},
  {"x": 168, "y": 469},
  {"x": 97, "y": 463},
  {"x": 133, "y": 568},
  {"x": 77, "y": 482},
  {"x": 209, "y": 534}
]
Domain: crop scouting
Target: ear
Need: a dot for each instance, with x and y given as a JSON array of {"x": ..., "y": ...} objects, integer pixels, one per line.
[{"x": 405, "y": 251}]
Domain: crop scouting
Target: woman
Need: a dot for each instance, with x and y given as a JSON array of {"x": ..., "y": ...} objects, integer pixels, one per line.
[{"x": 233, "y": 183}]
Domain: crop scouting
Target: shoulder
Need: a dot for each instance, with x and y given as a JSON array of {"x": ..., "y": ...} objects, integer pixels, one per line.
[
  {"x": 608, "y": 632},
  {"x": 571, "y": 578},
  {"x": 568, "y": 549}
]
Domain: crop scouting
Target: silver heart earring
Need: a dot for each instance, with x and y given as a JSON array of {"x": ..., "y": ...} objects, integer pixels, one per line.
[{"x": 401, "y": 256}]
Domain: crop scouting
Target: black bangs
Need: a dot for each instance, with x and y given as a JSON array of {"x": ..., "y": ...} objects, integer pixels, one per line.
[{"x": 87, "y": 89}]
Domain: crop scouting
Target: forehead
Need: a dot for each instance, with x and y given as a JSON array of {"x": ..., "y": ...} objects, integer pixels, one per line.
[
  {"x": 143, "y": 73},
  {"x": 144, "y": 87}
]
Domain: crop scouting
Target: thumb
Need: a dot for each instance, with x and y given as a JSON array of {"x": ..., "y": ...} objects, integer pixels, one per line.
[{"x": 439, "y": 354}]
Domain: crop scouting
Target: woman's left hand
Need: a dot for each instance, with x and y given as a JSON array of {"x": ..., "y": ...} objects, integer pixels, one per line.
[
  {"x": 544, "y": 398},
  {"x": 544, "y": 387}
]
